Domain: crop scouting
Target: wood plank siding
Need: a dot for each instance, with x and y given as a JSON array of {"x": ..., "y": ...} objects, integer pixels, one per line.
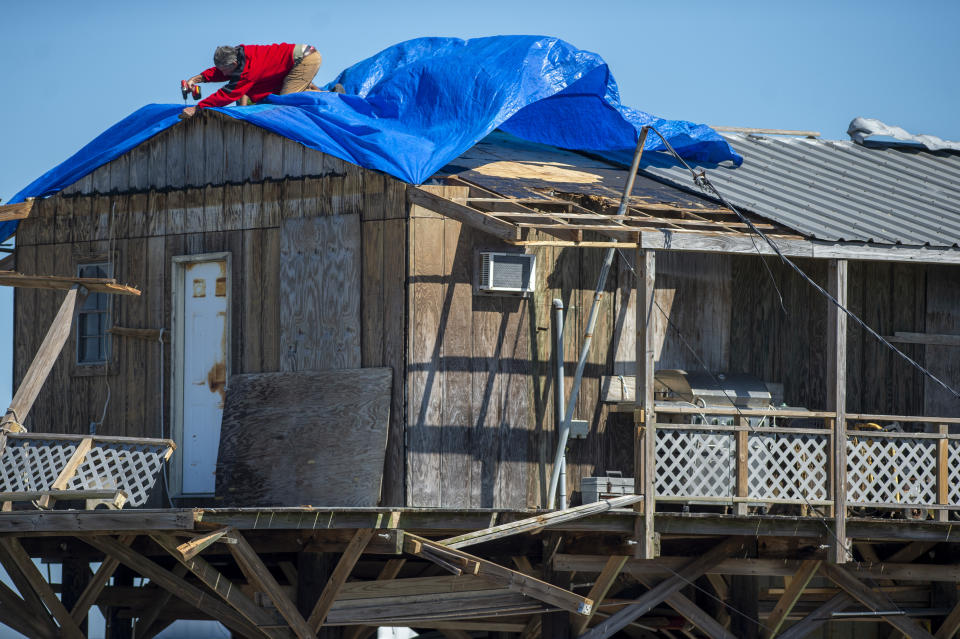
[{"x": 207, "y": 186}]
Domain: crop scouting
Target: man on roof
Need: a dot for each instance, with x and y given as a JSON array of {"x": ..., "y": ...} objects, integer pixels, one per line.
[{"x": 252, "y": 72}]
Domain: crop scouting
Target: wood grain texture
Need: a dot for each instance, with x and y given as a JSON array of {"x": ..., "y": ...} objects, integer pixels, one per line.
[
  {"x": 942, "y": 316},
  {"x": 424, "y": 403},
  {"x": 312, "y": 437},
  {"x": 320, "y": 276},
  {"x": 395, "y": 353}
]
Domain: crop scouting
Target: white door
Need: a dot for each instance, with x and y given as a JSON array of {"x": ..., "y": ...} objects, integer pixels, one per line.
[{"x": 201, "y": 338}]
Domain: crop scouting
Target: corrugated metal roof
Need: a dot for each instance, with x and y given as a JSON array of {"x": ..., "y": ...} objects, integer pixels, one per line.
[{"x": 838, "y": 190}]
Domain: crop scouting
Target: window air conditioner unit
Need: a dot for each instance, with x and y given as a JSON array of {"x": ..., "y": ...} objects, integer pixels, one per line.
[{"x": 507, "y": 273}]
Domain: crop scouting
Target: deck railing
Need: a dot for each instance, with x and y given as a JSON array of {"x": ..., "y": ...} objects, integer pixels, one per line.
[{"x": 761, "y": 465}]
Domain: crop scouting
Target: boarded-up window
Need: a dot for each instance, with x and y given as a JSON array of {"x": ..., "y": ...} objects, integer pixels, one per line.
[{"x": 93, "y": 319}]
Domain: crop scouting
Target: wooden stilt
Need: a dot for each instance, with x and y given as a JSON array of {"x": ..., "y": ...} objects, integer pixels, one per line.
[
  {"x": 21, "y": 562},
  {"x": 837, "y": 401},
  {"x": 654, "y": 596},
  {"x": 791, "y": 595},
  {"x": 869, "y": 598},
  {"x": 599, "y": 590},
  {"x": 213, "y": 579},
  {"x": 169, "y": 581},
  {"x": 338, "y": 578},
  {"x": 97, "y": 583},
  {"x": 244, "y": 554},
  {"x": 645, "y": 416}
]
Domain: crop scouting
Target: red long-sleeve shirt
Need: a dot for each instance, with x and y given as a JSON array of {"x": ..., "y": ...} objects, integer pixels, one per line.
[{"x": 260, "y": 71}]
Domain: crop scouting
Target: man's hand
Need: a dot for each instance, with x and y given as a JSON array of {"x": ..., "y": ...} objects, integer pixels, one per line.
[
  {"x": 197, "y": 79},
  {"x": 187, "y": 112}
]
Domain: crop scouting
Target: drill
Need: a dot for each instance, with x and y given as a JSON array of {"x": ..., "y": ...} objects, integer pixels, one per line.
[{"x": 186, "y": 90}]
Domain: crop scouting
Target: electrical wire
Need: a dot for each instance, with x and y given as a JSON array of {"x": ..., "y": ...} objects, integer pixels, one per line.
[{"x": 701, "y": 180}]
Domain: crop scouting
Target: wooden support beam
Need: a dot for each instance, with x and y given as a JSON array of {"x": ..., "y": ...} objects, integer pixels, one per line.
[
  {"x": 245, "y": 555},
  {"x": 743, "y": 465},
  {"x": 143, "y": 623},
  {"x": 18, "y": 211},
  {"x": 539, "y": 522},
  {"x": 869, "y": 598},
  {"x": 720, "y": 586},
  {"x": 463, "y": 214},
  {"x": 42, "y": 363},
  {"x": 694, "y": 614},
  {"x": 948, "y": 629},
  {"x": 932, "y": 339},
  {"x": 50, "y": 282},
  {"x": 34, "y": 606},
  {"x": 837, "y": 401},
  {"x": 213, "y": 579},
  {"x": 512, "y": 579},
  {"x": 68, "y": 471},
  {"x": 389, "y": 571},
  {"x": 661, "y": 591},
  {"x": 818, "y": 617},
  {"x": 339, "y": 577},
  {"x": 791, "y": 595},
  {"x": 169, "y": 581},
  {"x": 97, "y": 583},
  {"x": 665, "y": 566},
  {"x": 599, "y": 590},
  {"x": 147, "y": 334},
  {"x": 24, "y": 564},
  {"x": 943, "y": 472},
  {"x": 21, "y": 616},
  {"x": 195, "y": 546},
  {"x": 911, "y": 551},
  {"x": 117, "y": 497},
  {"x": 449, "y": 561},
  {"x": 645, "y": 415}
]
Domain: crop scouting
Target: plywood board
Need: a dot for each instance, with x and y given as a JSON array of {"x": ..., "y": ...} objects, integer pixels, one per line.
[
  {"x": 320, "y": 268},
  {"x": 304, "y": 438}
]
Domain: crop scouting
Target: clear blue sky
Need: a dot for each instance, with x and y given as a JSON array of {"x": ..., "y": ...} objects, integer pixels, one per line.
[{"x": 74, "y": 68}]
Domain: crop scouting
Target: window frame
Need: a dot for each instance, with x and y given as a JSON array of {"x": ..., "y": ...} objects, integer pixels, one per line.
[{"x": 99, "y": 366}]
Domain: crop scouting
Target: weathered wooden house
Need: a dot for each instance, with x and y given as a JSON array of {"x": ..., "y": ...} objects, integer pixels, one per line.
[{"x": 337, "y": 362}]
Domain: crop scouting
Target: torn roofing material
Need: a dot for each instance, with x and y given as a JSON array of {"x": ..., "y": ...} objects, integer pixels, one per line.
[
  {"x": 415, "y": 106},
  {"x": 838, "y": 190}
]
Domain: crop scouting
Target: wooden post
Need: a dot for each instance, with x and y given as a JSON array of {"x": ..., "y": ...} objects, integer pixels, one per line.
[
  {"x": 76, "y": 576},
  {"x": 645, "y": 415},
  {"x": 943, "y": 472},
  {"x": 743, "y": 468},
  {"x": 117, "y": 627},
  {"x": 745, "y": 598},
  {"x": 837, "y": 401},
  {"x": 555, "y": 624},
  {"x": 42, "y": 363}
]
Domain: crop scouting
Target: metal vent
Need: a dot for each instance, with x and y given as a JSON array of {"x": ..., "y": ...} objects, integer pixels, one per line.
[{"x": 506, "y": 273}]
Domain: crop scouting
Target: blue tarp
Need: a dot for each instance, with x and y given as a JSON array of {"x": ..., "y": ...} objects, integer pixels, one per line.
[{"x": 417, "y": 105}]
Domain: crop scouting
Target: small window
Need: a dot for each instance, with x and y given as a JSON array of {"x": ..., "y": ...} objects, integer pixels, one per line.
[{"x": 93, "y": 319}]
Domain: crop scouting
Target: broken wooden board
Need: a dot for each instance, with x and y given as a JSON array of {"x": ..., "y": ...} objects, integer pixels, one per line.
[
  {"x": 92, "y": 284},
  {"x": 18, "y": 211},
  {"x": 314, "y": 438}
]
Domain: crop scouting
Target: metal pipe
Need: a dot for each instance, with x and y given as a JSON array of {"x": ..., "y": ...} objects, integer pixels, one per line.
[
  {"x": 560, "y": 393},
  {"x": 591, "y": 324}
]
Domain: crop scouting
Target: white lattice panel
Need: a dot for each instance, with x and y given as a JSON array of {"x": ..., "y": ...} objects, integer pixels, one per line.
[
  {"x": 34, "y": 463},
  {"x": 953, "y": 466},
  {"x": 132, "y": 468},
  {"x": 28, "y": 465},
  {"x": 694, "y": 463},
  {"x": 886, "y": 470},
  {"x": 788, "y": 466}
]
